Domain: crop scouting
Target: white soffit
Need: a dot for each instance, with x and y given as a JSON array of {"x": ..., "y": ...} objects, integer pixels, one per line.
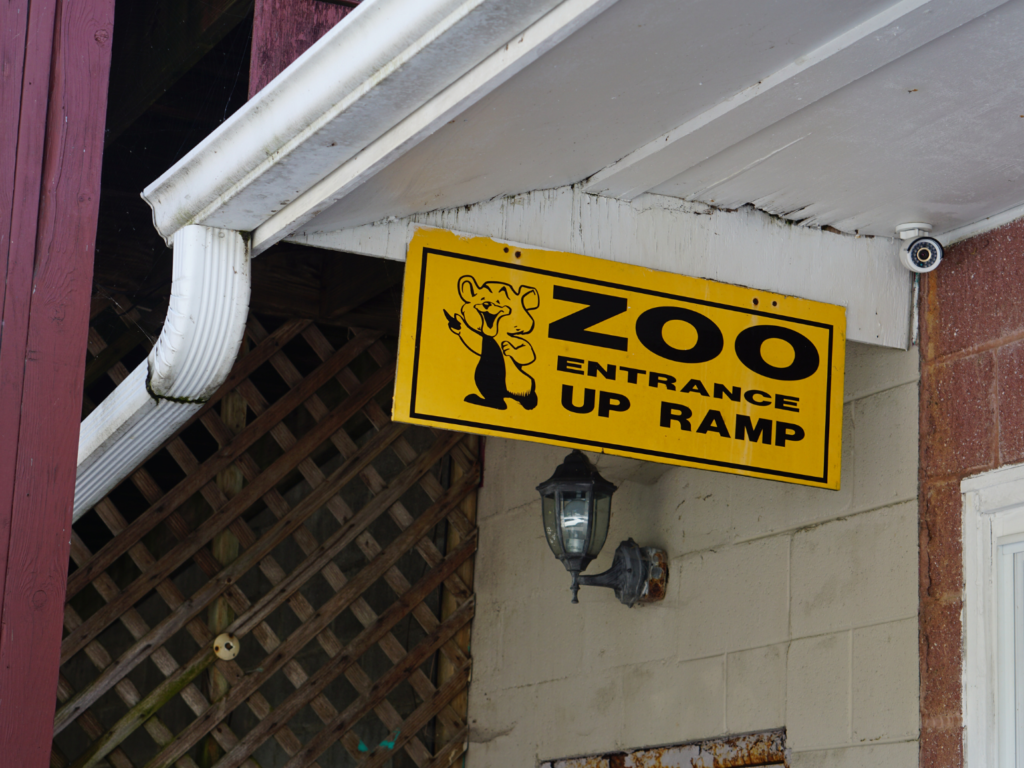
[
  {"x": 854, "y": 114},
  {"x": 858, "y": 114},
  {"x": 745, "y": 247}
]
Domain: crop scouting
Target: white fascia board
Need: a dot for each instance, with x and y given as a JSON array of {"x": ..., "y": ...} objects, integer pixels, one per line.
[
  {"x": 883, "y": 38},
  {"x": 744, "y": 247},
  {"x": 191, "y": 359},
  {"x": 496, "y": 69},
  {"x": 369, "y": 73},
  {"x": 953, "y": 236}
]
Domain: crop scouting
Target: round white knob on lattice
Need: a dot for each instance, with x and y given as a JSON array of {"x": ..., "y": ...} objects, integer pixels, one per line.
[{"x": 226, "y": 646}]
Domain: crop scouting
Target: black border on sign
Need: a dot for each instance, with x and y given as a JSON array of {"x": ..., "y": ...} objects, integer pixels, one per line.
[{"x": 413, "y": 413}]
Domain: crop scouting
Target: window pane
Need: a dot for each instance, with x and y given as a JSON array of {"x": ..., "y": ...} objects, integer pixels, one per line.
[
  {"x": 574, "y": 521},
  {"x": 550, "y": 523},
  {"x": 1018, "y": 652}
]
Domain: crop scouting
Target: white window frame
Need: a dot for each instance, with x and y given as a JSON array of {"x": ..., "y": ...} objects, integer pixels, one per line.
[{"x": 993, "y": 530}]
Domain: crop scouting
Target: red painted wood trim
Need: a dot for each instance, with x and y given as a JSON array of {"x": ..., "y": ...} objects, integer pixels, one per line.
[
  {"x": 13, "y": 22},
  {"x": 48, "y": 302},
  {"x": 19, "y": 225},
  {"x": 13, "y": 25},
  {"x": 282, "y": 30}
]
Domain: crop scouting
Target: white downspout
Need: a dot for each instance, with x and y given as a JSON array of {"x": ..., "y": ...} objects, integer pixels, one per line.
[{"x": 197, "y": 347}]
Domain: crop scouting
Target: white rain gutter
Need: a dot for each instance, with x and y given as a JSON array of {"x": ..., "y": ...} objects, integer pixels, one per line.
[
  {"x": 192, "y": 357},
  {"x": 378, "y": 83}
]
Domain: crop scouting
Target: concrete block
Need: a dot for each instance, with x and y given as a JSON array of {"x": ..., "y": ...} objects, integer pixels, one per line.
[
  {"x": 488, "y": 630},
  {"x": 871, "y": 369},
  {"x": 854, "y": 572},
  {"x": 503, "y": 726},
  {"x": 582, "y": 716},
  {"x": 755, "y": 689},
  {"x": 512, "y": 471},
  {"x": 885, "y": 438},
  {"x": 818, "y": 692},
  {"x": 885, "y": 682},
  {"x": 542, "y": 641},
  {"x": 899, "y": 755},
  {"x": 513, "y": 561},
  {"x": 620, "y": 469},
  {"x": 672, "y": 702},
  {"x": 614, "y": 635},
  {"x": 636, "y": 514},
  {"x": 733, "y": 598},
  {"x": 704, "y": 510}
]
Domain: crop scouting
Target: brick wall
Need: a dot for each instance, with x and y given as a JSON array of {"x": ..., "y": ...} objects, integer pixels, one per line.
[{"x": 972, "y": 420}]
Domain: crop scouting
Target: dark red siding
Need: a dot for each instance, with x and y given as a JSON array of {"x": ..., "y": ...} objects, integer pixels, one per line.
[
  {"x": 282, "y": 30},
  {"x": 55, "y": 62}
]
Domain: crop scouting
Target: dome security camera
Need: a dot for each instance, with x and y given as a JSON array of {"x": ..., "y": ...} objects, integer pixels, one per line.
[{"x": 923, "y": 253}]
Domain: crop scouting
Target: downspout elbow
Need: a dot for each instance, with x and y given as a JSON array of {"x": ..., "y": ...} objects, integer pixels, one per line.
[{"x": 192, "y": 357}]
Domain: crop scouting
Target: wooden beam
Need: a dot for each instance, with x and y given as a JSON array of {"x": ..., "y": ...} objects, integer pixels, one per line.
[
  {"x": 157, "y": 43},
  {"x": 283, "y": 30},
  {"x": 450, "y": 601},
  {"x": 287, "y": 283},
  {"x": 742, "y": 247},
  {"x": 55, "y": 66},
  {"x": 350, "y": 281},
  {"x": 333, "y": 288}
]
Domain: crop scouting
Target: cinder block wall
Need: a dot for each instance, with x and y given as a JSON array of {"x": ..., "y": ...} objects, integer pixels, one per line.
[
  {"x": 972, "y": 421},
  {"x": 787, "y": 606}
]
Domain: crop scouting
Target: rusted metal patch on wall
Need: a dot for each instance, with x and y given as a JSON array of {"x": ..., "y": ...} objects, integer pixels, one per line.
[{"x": 767, "y": 748}]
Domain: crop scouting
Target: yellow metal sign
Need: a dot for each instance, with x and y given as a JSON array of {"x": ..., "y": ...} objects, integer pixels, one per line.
[{"x": 588, "y": 353}]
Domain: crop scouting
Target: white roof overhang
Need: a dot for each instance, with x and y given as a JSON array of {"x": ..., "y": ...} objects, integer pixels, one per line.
[{"x": 628, "y": 130}]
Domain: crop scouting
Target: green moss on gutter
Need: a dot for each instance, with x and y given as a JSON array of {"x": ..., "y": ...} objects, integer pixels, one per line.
[{"x": 172, "y": 399}]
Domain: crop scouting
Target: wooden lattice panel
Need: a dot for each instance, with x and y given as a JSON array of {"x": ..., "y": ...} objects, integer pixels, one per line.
[{"x": 291, "y": 512}]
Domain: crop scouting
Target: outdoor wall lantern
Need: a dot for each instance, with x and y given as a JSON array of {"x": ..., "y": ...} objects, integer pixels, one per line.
[{"x": 576, "y": 505}]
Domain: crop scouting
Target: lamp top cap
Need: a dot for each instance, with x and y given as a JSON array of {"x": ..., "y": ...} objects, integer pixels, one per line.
[{"x": 577, "y": 468}]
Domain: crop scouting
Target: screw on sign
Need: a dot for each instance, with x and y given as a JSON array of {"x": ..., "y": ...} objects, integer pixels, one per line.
[{"x": 226, "y": 646}]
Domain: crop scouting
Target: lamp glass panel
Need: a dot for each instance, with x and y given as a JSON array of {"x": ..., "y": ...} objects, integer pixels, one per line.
[
  {"x": 548, "y": 507},
  {"x": 602, "y": 516},
  {"x": 575, "y": 519}
]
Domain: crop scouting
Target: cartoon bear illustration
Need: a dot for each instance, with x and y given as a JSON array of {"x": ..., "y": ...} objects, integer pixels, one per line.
[{"x": 492, "y": 323}]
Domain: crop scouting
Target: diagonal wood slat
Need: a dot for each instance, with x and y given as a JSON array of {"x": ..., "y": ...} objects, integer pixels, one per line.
[
  {"x": 89, "y": 629},
  {"x": 363, "y": 704},
  {"x": 222, "y": 459},
  {"x": 330, "y": 670},
  {"x": 351, "y": 592},
  {"x": 141, "y": 479},
  {"x": 210, "y": 591}
]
